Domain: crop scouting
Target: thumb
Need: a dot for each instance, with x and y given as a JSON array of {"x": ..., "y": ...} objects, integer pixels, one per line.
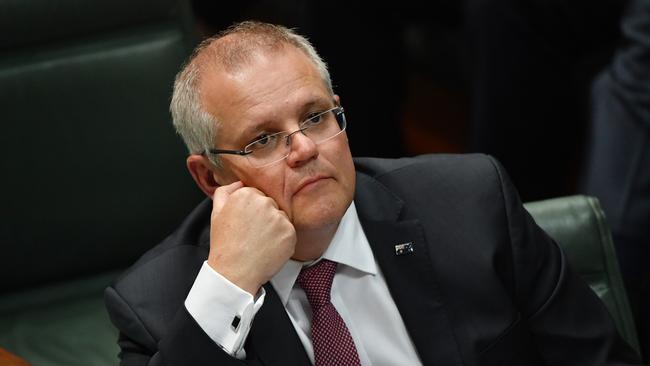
[{"x": 222, "y": 193}]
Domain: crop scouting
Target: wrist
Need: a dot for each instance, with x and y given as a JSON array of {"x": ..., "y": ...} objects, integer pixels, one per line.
[{"x": 239, "y": 277}]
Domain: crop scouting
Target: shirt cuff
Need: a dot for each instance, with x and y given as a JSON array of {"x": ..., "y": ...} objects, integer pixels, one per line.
[{"x": 224, "y": 311}]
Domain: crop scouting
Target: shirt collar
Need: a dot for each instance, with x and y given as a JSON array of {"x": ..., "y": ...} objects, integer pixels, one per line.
[{"x": 349, "y": 247}]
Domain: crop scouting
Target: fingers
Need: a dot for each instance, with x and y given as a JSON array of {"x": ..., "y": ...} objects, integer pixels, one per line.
[
  {"x": 257, "y": 192},
  {"x": 222, "y": 193},
  {"x": 286, "y": 216},
  {"x": 275, "y": 204}
]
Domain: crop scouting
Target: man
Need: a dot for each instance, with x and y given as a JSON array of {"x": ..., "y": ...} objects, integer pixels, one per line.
[{"x": 306, "y": 256}]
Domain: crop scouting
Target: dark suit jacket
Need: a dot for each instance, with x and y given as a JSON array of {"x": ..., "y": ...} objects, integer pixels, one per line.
[{"x": 484, "y": 285}]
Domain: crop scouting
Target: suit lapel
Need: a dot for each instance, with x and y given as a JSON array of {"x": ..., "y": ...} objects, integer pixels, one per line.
[
  {"x": 410, "y": 277},
  {"x": 273, "y": 338}
]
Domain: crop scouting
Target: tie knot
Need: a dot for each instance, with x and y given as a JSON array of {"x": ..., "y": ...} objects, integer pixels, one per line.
[{"x": 317, "y": 282}]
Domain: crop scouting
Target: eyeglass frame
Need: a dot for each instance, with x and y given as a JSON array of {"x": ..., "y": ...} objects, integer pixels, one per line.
[{"x": 337, "y": 110}]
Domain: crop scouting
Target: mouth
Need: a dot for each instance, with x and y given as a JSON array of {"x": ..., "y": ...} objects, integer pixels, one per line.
[{"x": 309, "y": 183}]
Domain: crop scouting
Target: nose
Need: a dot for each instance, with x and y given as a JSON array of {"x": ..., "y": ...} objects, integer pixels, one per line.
[{"x": 301, "y": 149}]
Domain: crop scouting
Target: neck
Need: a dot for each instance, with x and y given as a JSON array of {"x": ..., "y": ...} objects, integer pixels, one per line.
[{"x": 311, "y": 244}]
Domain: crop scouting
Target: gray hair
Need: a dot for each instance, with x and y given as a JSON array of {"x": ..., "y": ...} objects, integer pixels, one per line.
[{"x": 230, "y": 49}]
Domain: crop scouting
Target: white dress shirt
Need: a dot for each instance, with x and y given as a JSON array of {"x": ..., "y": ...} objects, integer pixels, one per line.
[{"x": 359, "y": 293}]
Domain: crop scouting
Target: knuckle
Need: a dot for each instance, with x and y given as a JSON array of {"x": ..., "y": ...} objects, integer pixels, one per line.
[
  {"x": 245, "y": 191},
  {"x": 266, "y": 201},
  {"x": 238, "y": 194},
  {"x": 250, "y": 191}
]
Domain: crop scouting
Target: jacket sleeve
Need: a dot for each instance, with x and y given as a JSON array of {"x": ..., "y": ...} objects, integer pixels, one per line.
[
  {"x": 568, "y": 322},
  {"x": 185, "y": 343}
]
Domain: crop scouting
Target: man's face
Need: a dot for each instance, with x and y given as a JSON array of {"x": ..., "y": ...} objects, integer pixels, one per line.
[{"x": 314, "y": 185}]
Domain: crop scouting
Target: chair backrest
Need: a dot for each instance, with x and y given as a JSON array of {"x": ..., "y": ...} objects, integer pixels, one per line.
[
  {"x": 91, "y": 169},
  {"x": 88, "y": 157},
  {"x": 578, "y": 225}
]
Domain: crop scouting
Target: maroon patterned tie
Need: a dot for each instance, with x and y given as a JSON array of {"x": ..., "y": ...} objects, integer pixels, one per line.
[{"x": 333, "y": 344}]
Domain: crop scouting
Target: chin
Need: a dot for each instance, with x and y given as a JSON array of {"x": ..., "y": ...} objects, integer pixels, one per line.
[{"x": 319, "y": 216}]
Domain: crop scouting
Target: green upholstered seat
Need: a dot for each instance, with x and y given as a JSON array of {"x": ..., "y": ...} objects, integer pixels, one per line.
[
  {"x": 91, "y": 167},
  {"x": 578, "y": 224},
  {"x": 61, "y": 324}
]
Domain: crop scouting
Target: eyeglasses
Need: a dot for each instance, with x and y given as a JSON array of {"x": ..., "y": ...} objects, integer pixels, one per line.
[{"x": 269, "y": 149}]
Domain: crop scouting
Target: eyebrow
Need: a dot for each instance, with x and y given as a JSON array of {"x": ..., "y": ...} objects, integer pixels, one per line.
[{"x": 264, "y": 125}]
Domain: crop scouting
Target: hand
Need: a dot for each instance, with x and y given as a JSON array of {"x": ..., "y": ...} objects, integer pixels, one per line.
[{"x": 250, "y": 237}]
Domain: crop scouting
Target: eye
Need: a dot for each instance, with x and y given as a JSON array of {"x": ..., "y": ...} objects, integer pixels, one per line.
[
  {"x": 315, "y": 118},
  {"x": 262, "y": 141}
]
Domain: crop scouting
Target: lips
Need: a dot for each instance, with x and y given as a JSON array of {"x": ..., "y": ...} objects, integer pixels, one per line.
[{"x": 309, "y": 181}]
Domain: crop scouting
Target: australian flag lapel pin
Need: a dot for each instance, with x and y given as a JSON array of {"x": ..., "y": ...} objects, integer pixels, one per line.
[{"x": 404, "y": 248}]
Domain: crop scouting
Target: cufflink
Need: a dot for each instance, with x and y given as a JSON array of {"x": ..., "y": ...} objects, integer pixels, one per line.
[
  {"x": 404, "y": 248},
  {"x": 235, "y": 323}
]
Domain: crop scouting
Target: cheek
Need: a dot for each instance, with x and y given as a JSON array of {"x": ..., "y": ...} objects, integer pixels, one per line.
[
  {"x": 345, "y": 165},
  {"x": 349, "y": 171}
]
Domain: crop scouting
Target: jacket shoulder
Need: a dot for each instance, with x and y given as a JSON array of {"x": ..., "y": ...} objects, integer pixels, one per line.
[
  {"x": 457, "y": 172},
  {"x": 462, "y": 163}
]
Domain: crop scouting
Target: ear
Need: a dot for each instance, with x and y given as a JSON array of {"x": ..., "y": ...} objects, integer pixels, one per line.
[{"x": 203, "y": 173}]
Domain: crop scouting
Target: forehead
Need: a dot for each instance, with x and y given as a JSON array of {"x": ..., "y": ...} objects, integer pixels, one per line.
[{"x": 269, "y": 87}]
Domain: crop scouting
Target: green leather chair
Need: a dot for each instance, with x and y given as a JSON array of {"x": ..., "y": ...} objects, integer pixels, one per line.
[
  {"x": 63, "y": 324},
  {"x": 578, "y": 224},
  {"x": 87, "y": 152},
  {"x": 91, "y": 169}
]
